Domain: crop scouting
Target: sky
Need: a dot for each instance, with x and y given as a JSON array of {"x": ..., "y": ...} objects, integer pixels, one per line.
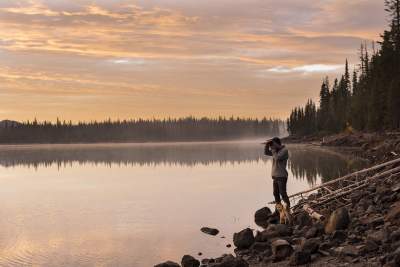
[{"x": 84, "y": 60}]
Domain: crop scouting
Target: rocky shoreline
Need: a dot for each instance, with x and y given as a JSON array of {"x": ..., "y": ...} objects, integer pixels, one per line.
[
  {"x": 375, "y": 147},
  {"x": 364, "y": 232}
]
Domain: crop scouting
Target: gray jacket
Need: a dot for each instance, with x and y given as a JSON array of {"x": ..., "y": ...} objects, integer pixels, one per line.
[{"x": 279, "y": 161}]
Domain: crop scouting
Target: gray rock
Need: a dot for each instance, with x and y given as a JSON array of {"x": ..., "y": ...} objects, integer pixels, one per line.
[
  {"x": 189, "y": 261},
  {"x": 278, "y": 230},
  {"x": 311, "y": 245},
  {"x": 281, "y": 249},
  {"x": 261, "y": 217},
  {"x": 300, "y": 258},
  {"x": 339, "y": 220},
  {"x": 261, "y": 246},
  {"x": 209, "y": 231},
  {"x": 167, "y": 264},
  {"x": 302, "y": 219},
  {"x": 312, "y": 232},
  {"x": 244, "y": 239}
]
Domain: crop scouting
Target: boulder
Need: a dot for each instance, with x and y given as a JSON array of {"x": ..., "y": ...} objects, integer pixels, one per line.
[
  {"x": 278, "y": 230},
  {"x": 281, "y": 249},
  {"x": 189, "y": 261},
  {"x": 244, "y": 239},
  {"x": 261, "y": 247},
  {"x": 312, "y": 232},
  {"x": 339, "y": 220},
  {"x": 209, "y": 231},
  {"x": 261, "y": 217},
  {"x": 302, "y": 219},
  {"x": 261, "y": 236},
  {"x": 311, "y": 245},
  {"x": 300, "y": 258},
  {"x": 167, "y": 264}
]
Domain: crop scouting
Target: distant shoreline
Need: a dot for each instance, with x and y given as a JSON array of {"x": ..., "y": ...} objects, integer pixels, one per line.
[{"x": 227, "y": 141}]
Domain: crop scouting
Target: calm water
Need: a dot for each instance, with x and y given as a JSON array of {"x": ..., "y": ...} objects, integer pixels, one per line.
[{"x": 137, "y": 205}]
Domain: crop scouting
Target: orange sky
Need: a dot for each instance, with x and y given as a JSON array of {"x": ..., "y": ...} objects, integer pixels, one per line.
[{"x": 86, "y": 59}]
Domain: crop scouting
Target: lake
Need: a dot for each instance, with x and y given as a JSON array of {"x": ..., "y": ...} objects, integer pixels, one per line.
[{"x": 139, "y": 204}]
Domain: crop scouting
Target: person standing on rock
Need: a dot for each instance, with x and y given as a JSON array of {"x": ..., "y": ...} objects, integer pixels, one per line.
[{"x": 280, "y": 156}]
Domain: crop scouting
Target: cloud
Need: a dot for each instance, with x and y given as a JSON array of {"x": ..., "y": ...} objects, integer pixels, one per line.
[
  {"x": 319, "y": 68},
  {"x": 194, "y": 52}
]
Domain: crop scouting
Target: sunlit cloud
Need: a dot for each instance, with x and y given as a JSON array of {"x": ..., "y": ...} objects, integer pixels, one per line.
[
  {"x": 318, "y": 68},
  {"x": 185, "y": 57}
]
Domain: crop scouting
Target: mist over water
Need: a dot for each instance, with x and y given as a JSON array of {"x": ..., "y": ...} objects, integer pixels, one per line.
[{"x": 139, "y": 204}]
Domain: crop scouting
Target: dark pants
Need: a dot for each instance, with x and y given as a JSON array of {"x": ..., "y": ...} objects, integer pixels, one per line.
[{"x": 280, "y": 190}]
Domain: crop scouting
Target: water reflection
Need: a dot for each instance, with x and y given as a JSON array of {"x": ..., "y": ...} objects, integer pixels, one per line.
[
  {"x": 311, "y": 163},
  {"x": 306, "y": 162},
  {"x": 137, "y": 205}
]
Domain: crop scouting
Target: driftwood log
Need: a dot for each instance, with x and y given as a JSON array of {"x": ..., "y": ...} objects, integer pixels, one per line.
[{"x": 312, "y": 213}]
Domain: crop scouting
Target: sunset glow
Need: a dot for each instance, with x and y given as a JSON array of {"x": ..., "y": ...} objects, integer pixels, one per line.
[{"x": 86, "y": 60}]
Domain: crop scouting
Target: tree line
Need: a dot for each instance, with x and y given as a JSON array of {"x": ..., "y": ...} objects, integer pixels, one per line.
[
  {"x": 140, "y": 130},
  {"x": 366, "y": 100}
]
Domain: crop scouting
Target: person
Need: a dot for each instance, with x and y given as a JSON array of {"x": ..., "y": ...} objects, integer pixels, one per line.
[{"x": 280, "y": 156}]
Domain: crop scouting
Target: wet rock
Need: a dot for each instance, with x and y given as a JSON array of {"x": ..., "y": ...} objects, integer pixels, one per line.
[
  {"x": 189, "y": 261},
  {"x": 261, "y": 247},
  {"x": 244, "y": 239},
  {"x": 261, "y": 217},
  {"x": 339, "y": 220},
  {"x": 167, "y": 264},
  {"x": 209, "y": 231},
  {"x": 281, "y": 249},
  {"x": 300, "y": 258},
  {"x": 311, "y": 245}
]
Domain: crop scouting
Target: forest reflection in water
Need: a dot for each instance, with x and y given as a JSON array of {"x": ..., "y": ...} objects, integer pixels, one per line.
[{"x": 306, "y": 162}]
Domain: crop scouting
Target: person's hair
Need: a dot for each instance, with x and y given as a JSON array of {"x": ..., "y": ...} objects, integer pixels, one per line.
[{"x": 277, "y": 140}]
